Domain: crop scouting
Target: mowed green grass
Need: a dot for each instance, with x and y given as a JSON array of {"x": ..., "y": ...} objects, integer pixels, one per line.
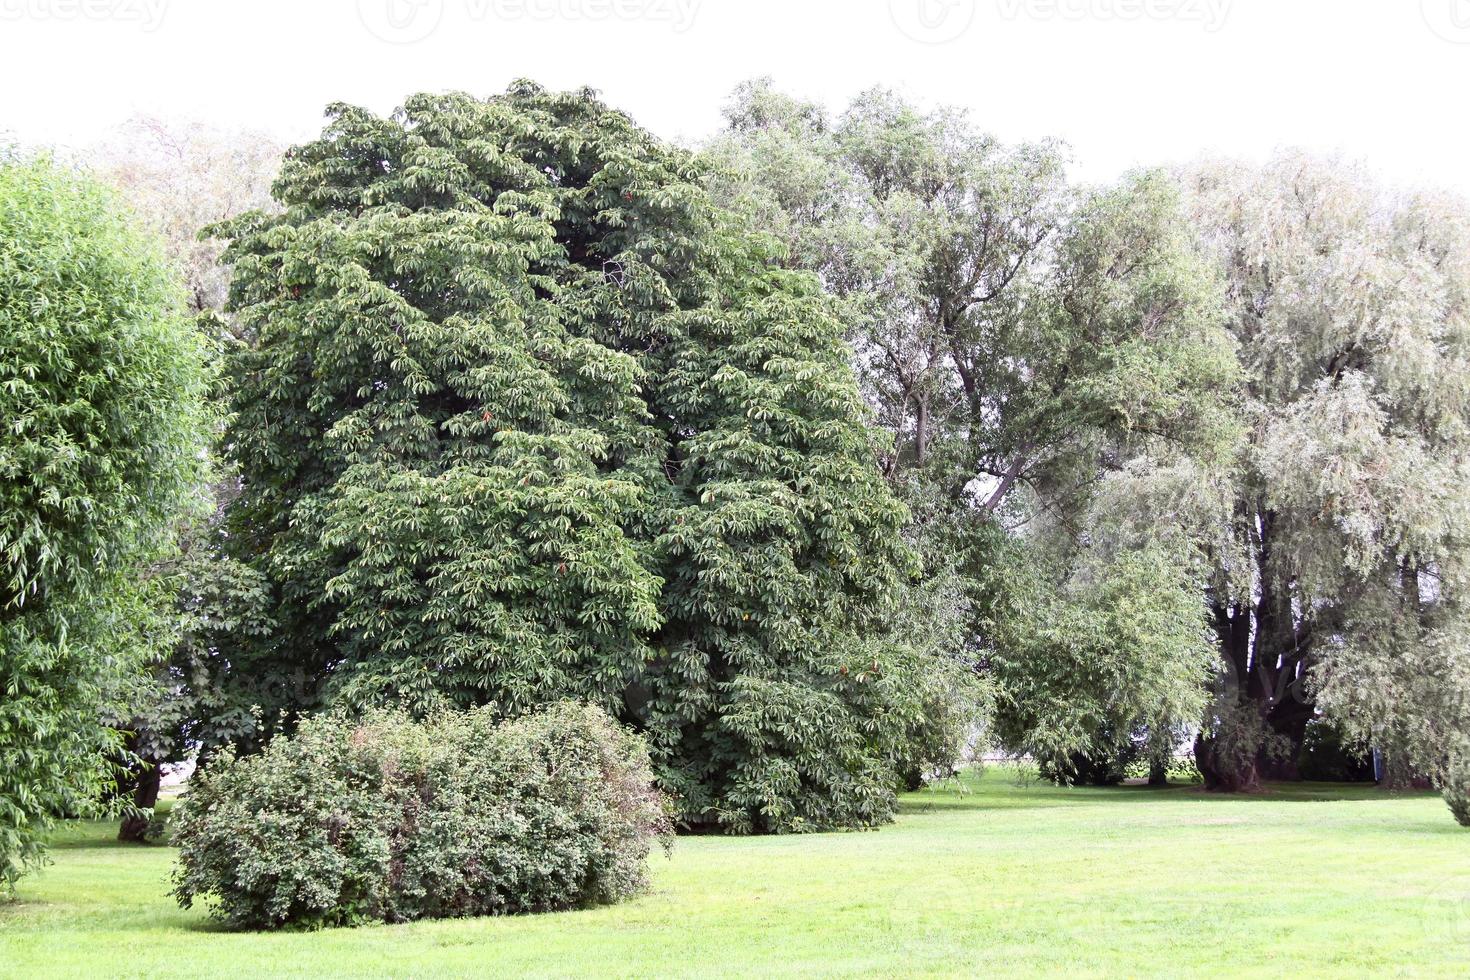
[{"x": 989, "y": 877}]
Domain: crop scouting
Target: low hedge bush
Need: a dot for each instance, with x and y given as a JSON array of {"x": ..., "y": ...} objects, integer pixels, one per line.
[{"x": 383, "y": 818}]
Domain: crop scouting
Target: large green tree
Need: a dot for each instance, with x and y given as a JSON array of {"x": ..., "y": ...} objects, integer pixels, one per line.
[
  {"x": 527, "y": 418},
  {"x": 1340, "y": 571},
  {"x": 1037, "y": 352},
  {"x": 101, "y": 390}
]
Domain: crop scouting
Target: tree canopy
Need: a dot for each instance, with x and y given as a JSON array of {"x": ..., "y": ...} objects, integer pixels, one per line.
[
  {"x": 528, "y": 418},
  {"x": 1339, "y": 569},
  {"x": 101, "y": 387},
  {"x": 1037, "y": 351}
]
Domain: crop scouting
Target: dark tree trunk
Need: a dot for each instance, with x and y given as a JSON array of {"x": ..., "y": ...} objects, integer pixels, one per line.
[
  {"x": 1264, "y": 648},
  {"x": 1399, "y": 777},
  {"x": 1158, "y": 773},
  {"x": 1223, "y": 766},
  {"x": 921, "y": 433},
  {"x": 134, "y": 827},
  {"x": 1225, "y": 771},
  {"x": 1288, "y": 721}
]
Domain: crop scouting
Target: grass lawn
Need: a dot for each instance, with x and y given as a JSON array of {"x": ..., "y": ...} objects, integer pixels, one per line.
[{"x": 990, "y": 877}]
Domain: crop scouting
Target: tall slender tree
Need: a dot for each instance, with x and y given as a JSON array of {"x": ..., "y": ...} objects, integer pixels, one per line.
[{"x": 101, "y": 386}]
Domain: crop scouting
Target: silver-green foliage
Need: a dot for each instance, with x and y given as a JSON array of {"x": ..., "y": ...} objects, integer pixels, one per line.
[
  {"x": 1346, "y": 555},
  {"x": 384, "y": 819},
  {"x": 1044, "y": 357}
]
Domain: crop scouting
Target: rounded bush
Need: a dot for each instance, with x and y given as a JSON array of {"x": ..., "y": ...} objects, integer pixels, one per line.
[{"x": 387, "y": 819}]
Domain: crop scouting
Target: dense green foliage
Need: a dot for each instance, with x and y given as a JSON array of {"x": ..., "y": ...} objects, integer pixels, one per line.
[
  {"x": 101, "y": 386},
  {"x": 525, "y": 418},
  {"x": 1165, "y": 431},
  {"x": 187, "y": 703},
  {"x": 386, "y": 819},
  {"x": 528, "y": 406},
  {"x": 1051, "y": 366},
  {"x": 1327, "y": 757},
  {"x": 1456, "y": 783}
]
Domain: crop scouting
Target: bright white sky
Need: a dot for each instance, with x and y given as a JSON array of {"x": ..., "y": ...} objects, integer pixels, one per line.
[{"x": 1125, "y": 82}]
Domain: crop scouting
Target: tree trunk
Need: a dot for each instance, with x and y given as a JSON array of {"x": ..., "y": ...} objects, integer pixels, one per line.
[
  {"x": 1288, "y": 720},
  {"x": 1400, "y": 777},
  {"x": 1263, "y": 708},
  {"x": 1158, "y": 773},
  {"x": 921, "y": 433},
  {"x": 1224, "y": 770},
  {"x": 134, "y": 829},
  {"x": 1219, "y": 757}
]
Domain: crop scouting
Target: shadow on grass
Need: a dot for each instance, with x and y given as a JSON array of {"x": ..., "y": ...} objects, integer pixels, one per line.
[
  {"x": 1008, "y": 793},
  {"x": 109, "y": 843}
]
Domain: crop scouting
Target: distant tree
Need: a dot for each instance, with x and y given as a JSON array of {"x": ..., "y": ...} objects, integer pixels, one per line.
[
  {"x": 1340, "y": 574},
  {"x": 101, "y": 387},
  {"x": 180, "y": 179},
  {"x": 1053, "y": 370},
  {"x": 528, "y": 419}
]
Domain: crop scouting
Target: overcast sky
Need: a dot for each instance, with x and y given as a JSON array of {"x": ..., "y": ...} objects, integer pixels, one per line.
[{"x": 1124, "y": 82}]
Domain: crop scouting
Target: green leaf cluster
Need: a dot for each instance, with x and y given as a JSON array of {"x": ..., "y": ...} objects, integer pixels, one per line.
[
  {"x": 383, "y": 819},
  {"x": 101, "y": 395}
]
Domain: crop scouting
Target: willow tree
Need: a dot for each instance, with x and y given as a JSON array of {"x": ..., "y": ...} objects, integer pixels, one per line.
[
  {"x": 101, "y": 388},
  {"x": 1340, "y": 575},
  {"x": 1035, "y": 350},
  {"x": 528, "y": 418}
]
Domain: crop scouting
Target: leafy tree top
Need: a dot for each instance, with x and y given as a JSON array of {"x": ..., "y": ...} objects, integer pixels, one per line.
[{"x": 530, "y": 418}]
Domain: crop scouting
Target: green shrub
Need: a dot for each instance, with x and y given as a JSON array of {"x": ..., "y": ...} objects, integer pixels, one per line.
[
  {"x": 1456, "y": 788},
  {"x": 1459, "y": 801},
  {"x": 388, "y": 819},
  {"x": 1106, "y": 765}
]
